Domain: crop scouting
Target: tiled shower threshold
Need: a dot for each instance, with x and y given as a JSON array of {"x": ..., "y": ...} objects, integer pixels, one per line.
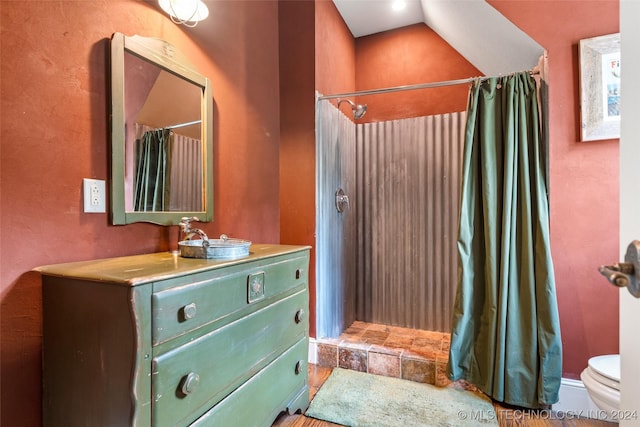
[{"x": 391, "y": 351}]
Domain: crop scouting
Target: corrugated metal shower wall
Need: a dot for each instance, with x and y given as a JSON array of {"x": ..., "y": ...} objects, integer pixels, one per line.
[
  {"x": 186, "y": 188},
  {"x": 408, "y": 181},
  {"x": 335, "y": 231}
]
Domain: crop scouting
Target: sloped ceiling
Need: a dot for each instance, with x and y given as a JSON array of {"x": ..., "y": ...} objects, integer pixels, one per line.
[
  {"x": 487, "y": 39},
  {"x": 161, "y": 106},
  {"x": 366, "y": 17}
]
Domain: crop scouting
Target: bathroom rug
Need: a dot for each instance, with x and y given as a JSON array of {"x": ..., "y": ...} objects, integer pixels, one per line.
[{"x": 358, "y": 399}]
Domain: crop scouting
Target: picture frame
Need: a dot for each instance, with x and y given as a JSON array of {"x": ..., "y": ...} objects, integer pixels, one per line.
[{"x": 600, "y": 87}]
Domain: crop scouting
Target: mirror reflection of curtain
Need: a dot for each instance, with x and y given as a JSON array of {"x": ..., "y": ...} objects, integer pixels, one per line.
[
  {"x": 152, "y": 180},
  {"x": 168, "y": 174}
]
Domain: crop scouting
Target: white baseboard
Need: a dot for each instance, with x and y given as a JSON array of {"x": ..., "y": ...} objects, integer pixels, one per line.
[
  {"x": 313, "y": 351},
  {"x": 573, "y": 398}
]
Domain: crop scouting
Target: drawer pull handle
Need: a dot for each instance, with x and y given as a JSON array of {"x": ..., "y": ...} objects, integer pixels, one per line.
[
  {"x": 189, "y": 383},
  {"x": 189, "y": 311},
  {"x": 299, "y": 367},
  {"x": 298, "y": 273},
  {"x": 299, "y": 315}
]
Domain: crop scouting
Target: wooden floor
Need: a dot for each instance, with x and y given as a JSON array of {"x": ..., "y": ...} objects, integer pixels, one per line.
[{"x": 507, "y": 417}]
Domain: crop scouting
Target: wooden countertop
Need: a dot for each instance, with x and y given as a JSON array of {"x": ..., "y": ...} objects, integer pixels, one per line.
[{"x": 139, "y": 269}]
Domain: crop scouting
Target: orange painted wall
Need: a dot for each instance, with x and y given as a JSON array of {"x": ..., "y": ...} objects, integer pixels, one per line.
[
  {"x": 335, "y": 52},
  {"x": 54, "y": 115},
  {"x": 584, "y": 179},
  {"x": 408, "y": 56},
  {"x": 297, "y": 132}
]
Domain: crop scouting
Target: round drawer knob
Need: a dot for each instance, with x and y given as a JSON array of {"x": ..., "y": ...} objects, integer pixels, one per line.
[
  {"x": 299, "y": 367},
  {"x": 189, "y": 383},
  {"x": 299, "y": 316},
  {"x": 189, "y": 311},
  {"x": 298, "y": 273}
]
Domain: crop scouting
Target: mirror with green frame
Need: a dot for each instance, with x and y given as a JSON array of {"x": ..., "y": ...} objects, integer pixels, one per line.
[{"x": 161, "y": 134}]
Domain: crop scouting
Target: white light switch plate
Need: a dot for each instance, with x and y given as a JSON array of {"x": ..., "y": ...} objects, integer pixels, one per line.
[{"x": 94, "y": 195}]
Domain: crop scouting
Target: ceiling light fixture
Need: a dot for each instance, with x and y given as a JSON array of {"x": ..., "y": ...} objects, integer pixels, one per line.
[
  {"x": 185, "y": 12},
  {"x": 399, "y": 5}
]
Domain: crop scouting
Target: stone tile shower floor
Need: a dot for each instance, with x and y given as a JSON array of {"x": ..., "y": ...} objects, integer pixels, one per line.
[{"x": 391, "y": 351}]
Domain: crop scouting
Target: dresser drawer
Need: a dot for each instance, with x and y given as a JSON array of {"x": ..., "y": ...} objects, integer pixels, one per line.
[
  {"x": 259, "y": 401},
  {"x": 197, "y": 302},
  {"x": 190, "y": 379}
]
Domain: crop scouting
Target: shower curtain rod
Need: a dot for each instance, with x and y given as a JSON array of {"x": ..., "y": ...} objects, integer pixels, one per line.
[
  {"x": 409, "y": 87},
  {"x": 181, "y": 125}
]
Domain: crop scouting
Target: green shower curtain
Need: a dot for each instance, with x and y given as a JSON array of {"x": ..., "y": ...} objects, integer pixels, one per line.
[
  {"x": 153, "y": 159},
  {"x": 506, "y": 335}
]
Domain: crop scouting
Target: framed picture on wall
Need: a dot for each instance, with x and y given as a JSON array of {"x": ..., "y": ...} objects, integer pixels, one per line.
[{"x": 600, "y": 87}]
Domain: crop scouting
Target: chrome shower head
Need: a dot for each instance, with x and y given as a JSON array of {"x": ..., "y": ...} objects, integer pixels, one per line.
[{"x": 357, "y": 110}]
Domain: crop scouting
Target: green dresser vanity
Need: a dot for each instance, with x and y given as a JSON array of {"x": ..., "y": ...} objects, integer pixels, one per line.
[{"x": 162, "y": 340}]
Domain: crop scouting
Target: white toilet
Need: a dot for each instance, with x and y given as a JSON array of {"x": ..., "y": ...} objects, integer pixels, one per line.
[{"x": 602, "y": 381}]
